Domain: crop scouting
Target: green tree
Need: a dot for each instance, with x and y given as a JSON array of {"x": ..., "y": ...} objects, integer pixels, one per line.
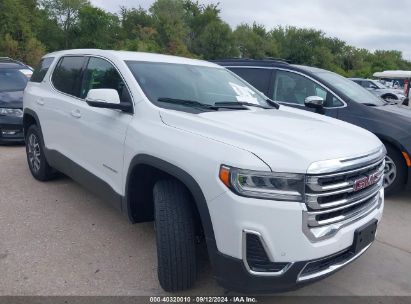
[
  {"x": 96, "y": 28},
  {"x": 254, "y": 42},
  {"x": 17, "y": 39},
  {"x": 138, "y": 31},
  {"x": 33, "y": 51},
  {"x": 9, "y": 47},
  {"x": 66, "y": 13},
  {"x": 14, "y": 20},
  {"x": 172, "y": 30},
  {"x": 216, "y": 41}
]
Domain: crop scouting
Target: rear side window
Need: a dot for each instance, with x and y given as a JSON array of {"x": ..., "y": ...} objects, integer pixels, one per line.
[
  {"x": 67, "y": 75},
  {"x": 41, "y": 70},
  {"x": 258, "y": 78}
]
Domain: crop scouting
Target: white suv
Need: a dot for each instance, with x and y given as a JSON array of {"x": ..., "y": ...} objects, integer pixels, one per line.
[{"x": 281, "y": 196}]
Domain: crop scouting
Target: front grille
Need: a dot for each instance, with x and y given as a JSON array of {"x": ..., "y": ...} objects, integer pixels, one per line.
[
  {"x": 257, "y": 257},
  {"x": 336, "y": 199}
]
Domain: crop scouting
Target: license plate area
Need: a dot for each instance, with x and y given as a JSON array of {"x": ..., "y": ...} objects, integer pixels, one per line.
[{"x": 364, "y": 236}]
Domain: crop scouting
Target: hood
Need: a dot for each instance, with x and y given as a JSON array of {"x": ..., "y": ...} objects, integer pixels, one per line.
[
  {"x": 288, "y": 140},
  {"x": 12, "y": 99},
  {"x": 400, "y": 110}
]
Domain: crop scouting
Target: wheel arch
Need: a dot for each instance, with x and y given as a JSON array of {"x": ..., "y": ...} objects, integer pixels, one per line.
[
  {"x": 165, "y": 169},
  {"x": 30, "y": 117},
  {"x": 386, "y": 140},
  {"x": 386, "y": 95}
]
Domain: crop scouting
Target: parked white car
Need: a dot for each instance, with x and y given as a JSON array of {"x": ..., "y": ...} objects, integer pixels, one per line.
[
  {"x": 281, "y": 196},
  {"x": 377, "y": 88}
]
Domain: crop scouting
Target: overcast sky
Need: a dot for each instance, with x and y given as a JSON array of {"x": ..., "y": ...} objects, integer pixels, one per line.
[{"x": 371, "y": 24}]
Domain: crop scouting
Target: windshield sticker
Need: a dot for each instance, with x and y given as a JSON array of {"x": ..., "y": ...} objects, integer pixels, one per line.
[{"x": 244, "y": 94}]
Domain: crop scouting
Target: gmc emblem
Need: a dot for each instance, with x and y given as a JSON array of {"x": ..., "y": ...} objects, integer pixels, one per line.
[{"x": 366, "y": 182}]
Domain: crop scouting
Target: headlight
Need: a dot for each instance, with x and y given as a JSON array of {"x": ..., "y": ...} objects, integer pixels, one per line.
[
  {"x": 11, "y": 112},
  {"x": 264, "y": 185}
]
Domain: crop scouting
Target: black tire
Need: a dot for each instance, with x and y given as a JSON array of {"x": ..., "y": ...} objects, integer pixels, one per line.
[
  {"x": 400, "y": 166},
  {"x": 389, "y": 97},
  {"x": 175, "y": 232},
  {"x": 41, "y": 171}
]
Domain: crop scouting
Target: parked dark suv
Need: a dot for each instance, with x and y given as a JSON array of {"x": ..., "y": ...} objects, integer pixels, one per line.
[
  {"x": 328, "y": 93},
  {"x": 13, "y": 80}
]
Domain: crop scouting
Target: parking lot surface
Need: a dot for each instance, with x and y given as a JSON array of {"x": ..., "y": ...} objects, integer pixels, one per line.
[{"x": 58, "y": 239}]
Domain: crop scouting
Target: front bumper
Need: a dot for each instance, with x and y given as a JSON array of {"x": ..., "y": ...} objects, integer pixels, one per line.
[
  {"x": 233, "y": 275},
  {"x": 280, "y": 225},
  {"x": 11, "y": 129}
]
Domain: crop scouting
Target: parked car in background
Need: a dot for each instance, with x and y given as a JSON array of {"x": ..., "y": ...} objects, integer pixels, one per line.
[
  {"x": 397, "y": 79},
  {"x": 190, "y": 145},
  {"x": 324, "y": 92},
  {"x": 13, "y": 80},
  {"x": 377, "y": 88},
  {"x": 25, "y": 69}
]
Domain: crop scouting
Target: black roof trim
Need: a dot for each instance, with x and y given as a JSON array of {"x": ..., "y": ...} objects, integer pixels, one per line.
[
  {"x": 252, "y": 62},
  {"x": 10, "y": 60},
  {"x": 11, "y": 65}
]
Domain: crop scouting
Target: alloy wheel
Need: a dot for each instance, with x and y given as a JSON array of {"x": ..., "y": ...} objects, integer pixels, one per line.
[
  {"x": 390, "y": 172},
  {"x": 34, "y": 152}
]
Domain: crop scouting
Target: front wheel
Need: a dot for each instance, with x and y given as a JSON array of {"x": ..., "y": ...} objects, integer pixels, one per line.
[
  {"x": 394, "y": 171},
  {"x": 175, "y": 233},
  {"x": 38, "y": 165}
]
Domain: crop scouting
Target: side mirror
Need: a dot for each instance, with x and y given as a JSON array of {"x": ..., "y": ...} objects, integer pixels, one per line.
[
  {"x": 107, "y": 99},
  {"x": 314, "y": 102},
  {"x": 103, "y": 96}
]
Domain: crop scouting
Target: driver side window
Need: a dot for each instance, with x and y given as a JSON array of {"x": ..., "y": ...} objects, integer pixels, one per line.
[
  {"x": 101, "y": 74},
  {"x": 294, "y": 88}
]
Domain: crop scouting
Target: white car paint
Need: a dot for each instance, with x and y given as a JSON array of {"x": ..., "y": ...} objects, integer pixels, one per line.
[{"x": 105, "y": 141}]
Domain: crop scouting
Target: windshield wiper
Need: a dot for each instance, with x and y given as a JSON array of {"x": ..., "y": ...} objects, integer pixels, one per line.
[
  {"x": 188, "y": 103},
  {"x": 273, "y": 103},
  {"x": 216, "y": 106},
  {"x": 239, "y": 105}
]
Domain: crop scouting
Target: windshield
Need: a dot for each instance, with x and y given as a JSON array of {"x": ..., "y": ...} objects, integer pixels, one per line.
[
  {"x": 12, "y": 80},
  {"x": 349, "y": 88},
  {"x": 200, "y": 84},
  {"x": 378, "y": 84}
]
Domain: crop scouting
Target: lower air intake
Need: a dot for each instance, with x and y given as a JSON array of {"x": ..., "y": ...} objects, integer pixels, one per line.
[{"x": 257, "y": 258}]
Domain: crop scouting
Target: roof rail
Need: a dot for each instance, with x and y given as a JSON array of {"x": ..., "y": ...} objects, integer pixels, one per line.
[
  {"x": 252, "y": 59},
  {"x": 278, "y": 59},
  {"x": 11, "y": 60}
]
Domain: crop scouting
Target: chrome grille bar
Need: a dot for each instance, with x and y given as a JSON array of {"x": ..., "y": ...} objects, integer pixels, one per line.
[
  {"x": 313, "y": 182},
  {"x": 313, "y": 202},
  {"x": 336, "y": 199},
  {"x": 369, "y": 202}
]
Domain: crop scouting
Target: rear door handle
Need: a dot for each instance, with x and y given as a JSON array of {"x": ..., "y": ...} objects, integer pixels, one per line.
[
  {"x": 76, "y": 113},
  {"x": 40, "y": 102}
]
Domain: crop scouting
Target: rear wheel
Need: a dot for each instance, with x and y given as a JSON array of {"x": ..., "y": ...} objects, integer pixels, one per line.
[
  {"x": 175, "y": 232},
  {"x": 394, "y": 171},
  {"x": 39, "y": 167},
  {"x": 389, "y": 98}
]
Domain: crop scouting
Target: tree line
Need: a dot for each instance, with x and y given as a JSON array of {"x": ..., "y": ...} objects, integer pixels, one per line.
[{"x": 31, "y": 28}]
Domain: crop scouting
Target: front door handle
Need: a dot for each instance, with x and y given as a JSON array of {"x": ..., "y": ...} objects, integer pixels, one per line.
[{"x": 76, "y": 113}]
